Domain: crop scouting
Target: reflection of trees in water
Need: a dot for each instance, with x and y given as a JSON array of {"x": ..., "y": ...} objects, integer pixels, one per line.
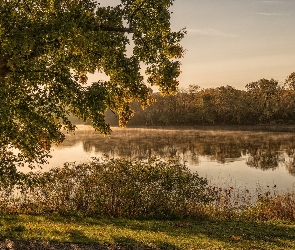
[
  {"x": 290, "y": 162},
  {"x": 262, "y": 150},
  {"x": 221, "y": 150},
  {"x": 265, "y": 155},
  {"x": 290, "y": 166},
  {"x": 263, "y": 159},
  {"x": 87, "y": 146}
]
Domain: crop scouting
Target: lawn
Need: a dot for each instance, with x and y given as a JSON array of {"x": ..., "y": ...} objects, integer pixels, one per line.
[{"x": 117, "y": 233}]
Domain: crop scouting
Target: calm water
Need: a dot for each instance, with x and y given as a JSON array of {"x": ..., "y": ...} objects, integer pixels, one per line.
[{"x": 246, "y": 159}]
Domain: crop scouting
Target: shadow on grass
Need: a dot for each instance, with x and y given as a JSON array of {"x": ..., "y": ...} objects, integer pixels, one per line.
[
  {"x": 258, "y": 235},
  {"x": 278, "y": 234},
  {"x": 130, "y": 243},
  {"x": 78, "y": 236},
  {"x": 224, "y": 231},
  {"x": 240, "y": 233}
]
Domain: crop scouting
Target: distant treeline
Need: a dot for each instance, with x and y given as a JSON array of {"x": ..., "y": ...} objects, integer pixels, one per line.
[{"x": 262, "y": 102}]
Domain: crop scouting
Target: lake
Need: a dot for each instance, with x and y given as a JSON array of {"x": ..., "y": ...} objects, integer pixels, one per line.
[{"x": 247, "y": 159}]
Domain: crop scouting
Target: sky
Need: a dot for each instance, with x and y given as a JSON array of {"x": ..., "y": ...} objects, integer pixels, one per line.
[{"x": 234, "y": 42}]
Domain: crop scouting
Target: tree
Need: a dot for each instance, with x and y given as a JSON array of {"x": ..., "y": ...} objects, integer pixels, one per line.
[
  {"x": 266, "y": 94},
  {"x": 206, "y": 105},
  {"x": 47, "y": 49},
  {"x": 286, "y": 100},
  {"x": 290, "y": 81}
]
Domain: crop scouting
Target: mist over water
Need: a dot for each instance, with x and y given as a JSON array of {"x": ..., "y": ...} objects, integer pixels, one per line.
[{"x": 247, "y": 159}]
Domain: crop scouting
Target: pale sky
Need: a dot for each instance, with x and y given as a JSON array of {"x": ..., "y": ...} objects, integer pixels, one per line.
[{"x": 234, "y": 42}]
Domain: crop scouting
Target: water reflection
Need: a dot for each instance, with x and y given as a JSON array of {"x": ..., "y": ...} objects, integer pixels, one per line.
[
  {"x": 290, "y": 165},
  {"x": 261, "y": 150}
]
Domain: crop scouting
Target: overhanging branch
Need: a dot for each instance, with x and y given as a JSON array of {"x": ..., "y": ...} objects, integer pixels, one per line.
[
  {"x": 116, "y": 29},
  {"x": 4, "y": 69}
]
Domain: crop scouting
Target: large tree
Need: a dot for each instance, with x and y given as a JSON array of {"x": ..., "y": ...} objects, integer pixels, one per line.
[
  {"x": 265, "y": 94},
  {"x": 47, "y": 49}
]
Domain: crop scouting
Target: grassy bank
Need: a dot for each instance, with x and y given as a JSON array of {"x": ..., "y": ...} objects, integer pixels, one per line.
[
  {"x": 140, "y": 205},
  {"x": 149, "y": 234}
]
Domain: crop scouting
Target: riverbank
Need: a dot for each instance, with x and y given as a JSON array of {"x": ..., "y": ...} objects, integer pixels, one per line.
[
  {"x": 66, "y": 232},
  {"x": 122, "y": 204},
  {"x": 259, "y": 127}
]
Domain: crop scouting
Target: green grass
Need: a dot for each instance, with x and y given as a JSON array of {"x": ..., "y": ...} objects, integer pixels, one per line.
[
  {"x": 155, "y": 189},
  {"x": 157, "y": 234}
]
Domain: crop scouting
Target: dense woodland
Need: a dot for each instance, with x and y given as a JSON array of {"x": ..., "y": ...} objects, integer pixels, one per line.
[{"x": 262, "y": 102}]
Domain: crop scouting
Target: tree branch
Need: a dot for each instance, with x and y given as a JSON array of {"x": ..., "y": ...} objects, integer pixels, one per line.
[
  {"x": 29, "y": 9},
  {"x": 134, "y": 12},
  {"x": 4, "y": 69},
  {"x": 116, "y": 29}
]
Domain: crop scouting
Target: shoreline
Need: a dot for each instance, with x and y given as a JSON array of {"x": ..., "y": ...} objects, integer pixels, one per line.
[{"x": 260, "y": 127}]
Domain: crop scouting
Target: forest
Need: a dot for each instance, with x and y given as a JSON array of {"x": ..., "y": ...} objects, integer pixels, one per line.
[{"x": 262, "y": 102}]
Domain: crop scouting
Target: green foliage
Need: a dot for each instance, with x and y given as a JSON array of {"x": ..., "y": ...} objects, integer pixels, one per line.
[
  {"x": 139, "y": 189},
  {"x": 114, "y": 188},
  {"x": 263, "y": 102},
  {"x": 9, "y": 165},
  {"x": 48, "y": 47}
]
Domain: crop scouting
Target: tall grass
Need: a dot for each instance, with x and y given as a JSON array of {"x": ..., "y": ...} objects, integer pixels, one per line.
[
  {"x": 139, "y": 189},
  {"x": 234, "y": 203}
]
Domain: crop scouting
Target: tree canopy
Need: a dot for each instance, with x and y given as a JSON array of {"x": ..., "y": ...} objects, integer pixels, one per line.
[
  {"x": 47, "y": 49},
  {"x": 263, "y": 102}
]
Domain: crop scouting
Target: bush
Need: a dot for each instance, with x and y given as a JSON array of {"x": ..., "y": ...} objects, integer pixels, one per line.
[
  {"x": 138, "y": 189},
  {"x": 280, "y": 207},
  {"x": 115, "y": 187}
]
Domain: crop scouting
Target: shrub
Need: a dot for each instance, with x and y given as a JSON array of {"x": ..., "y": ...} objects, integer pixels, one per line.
[
  {"x": 274, "y": 207},
  {"x": 133, "y": 189},
  {"x": 116, "y": 187}
]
